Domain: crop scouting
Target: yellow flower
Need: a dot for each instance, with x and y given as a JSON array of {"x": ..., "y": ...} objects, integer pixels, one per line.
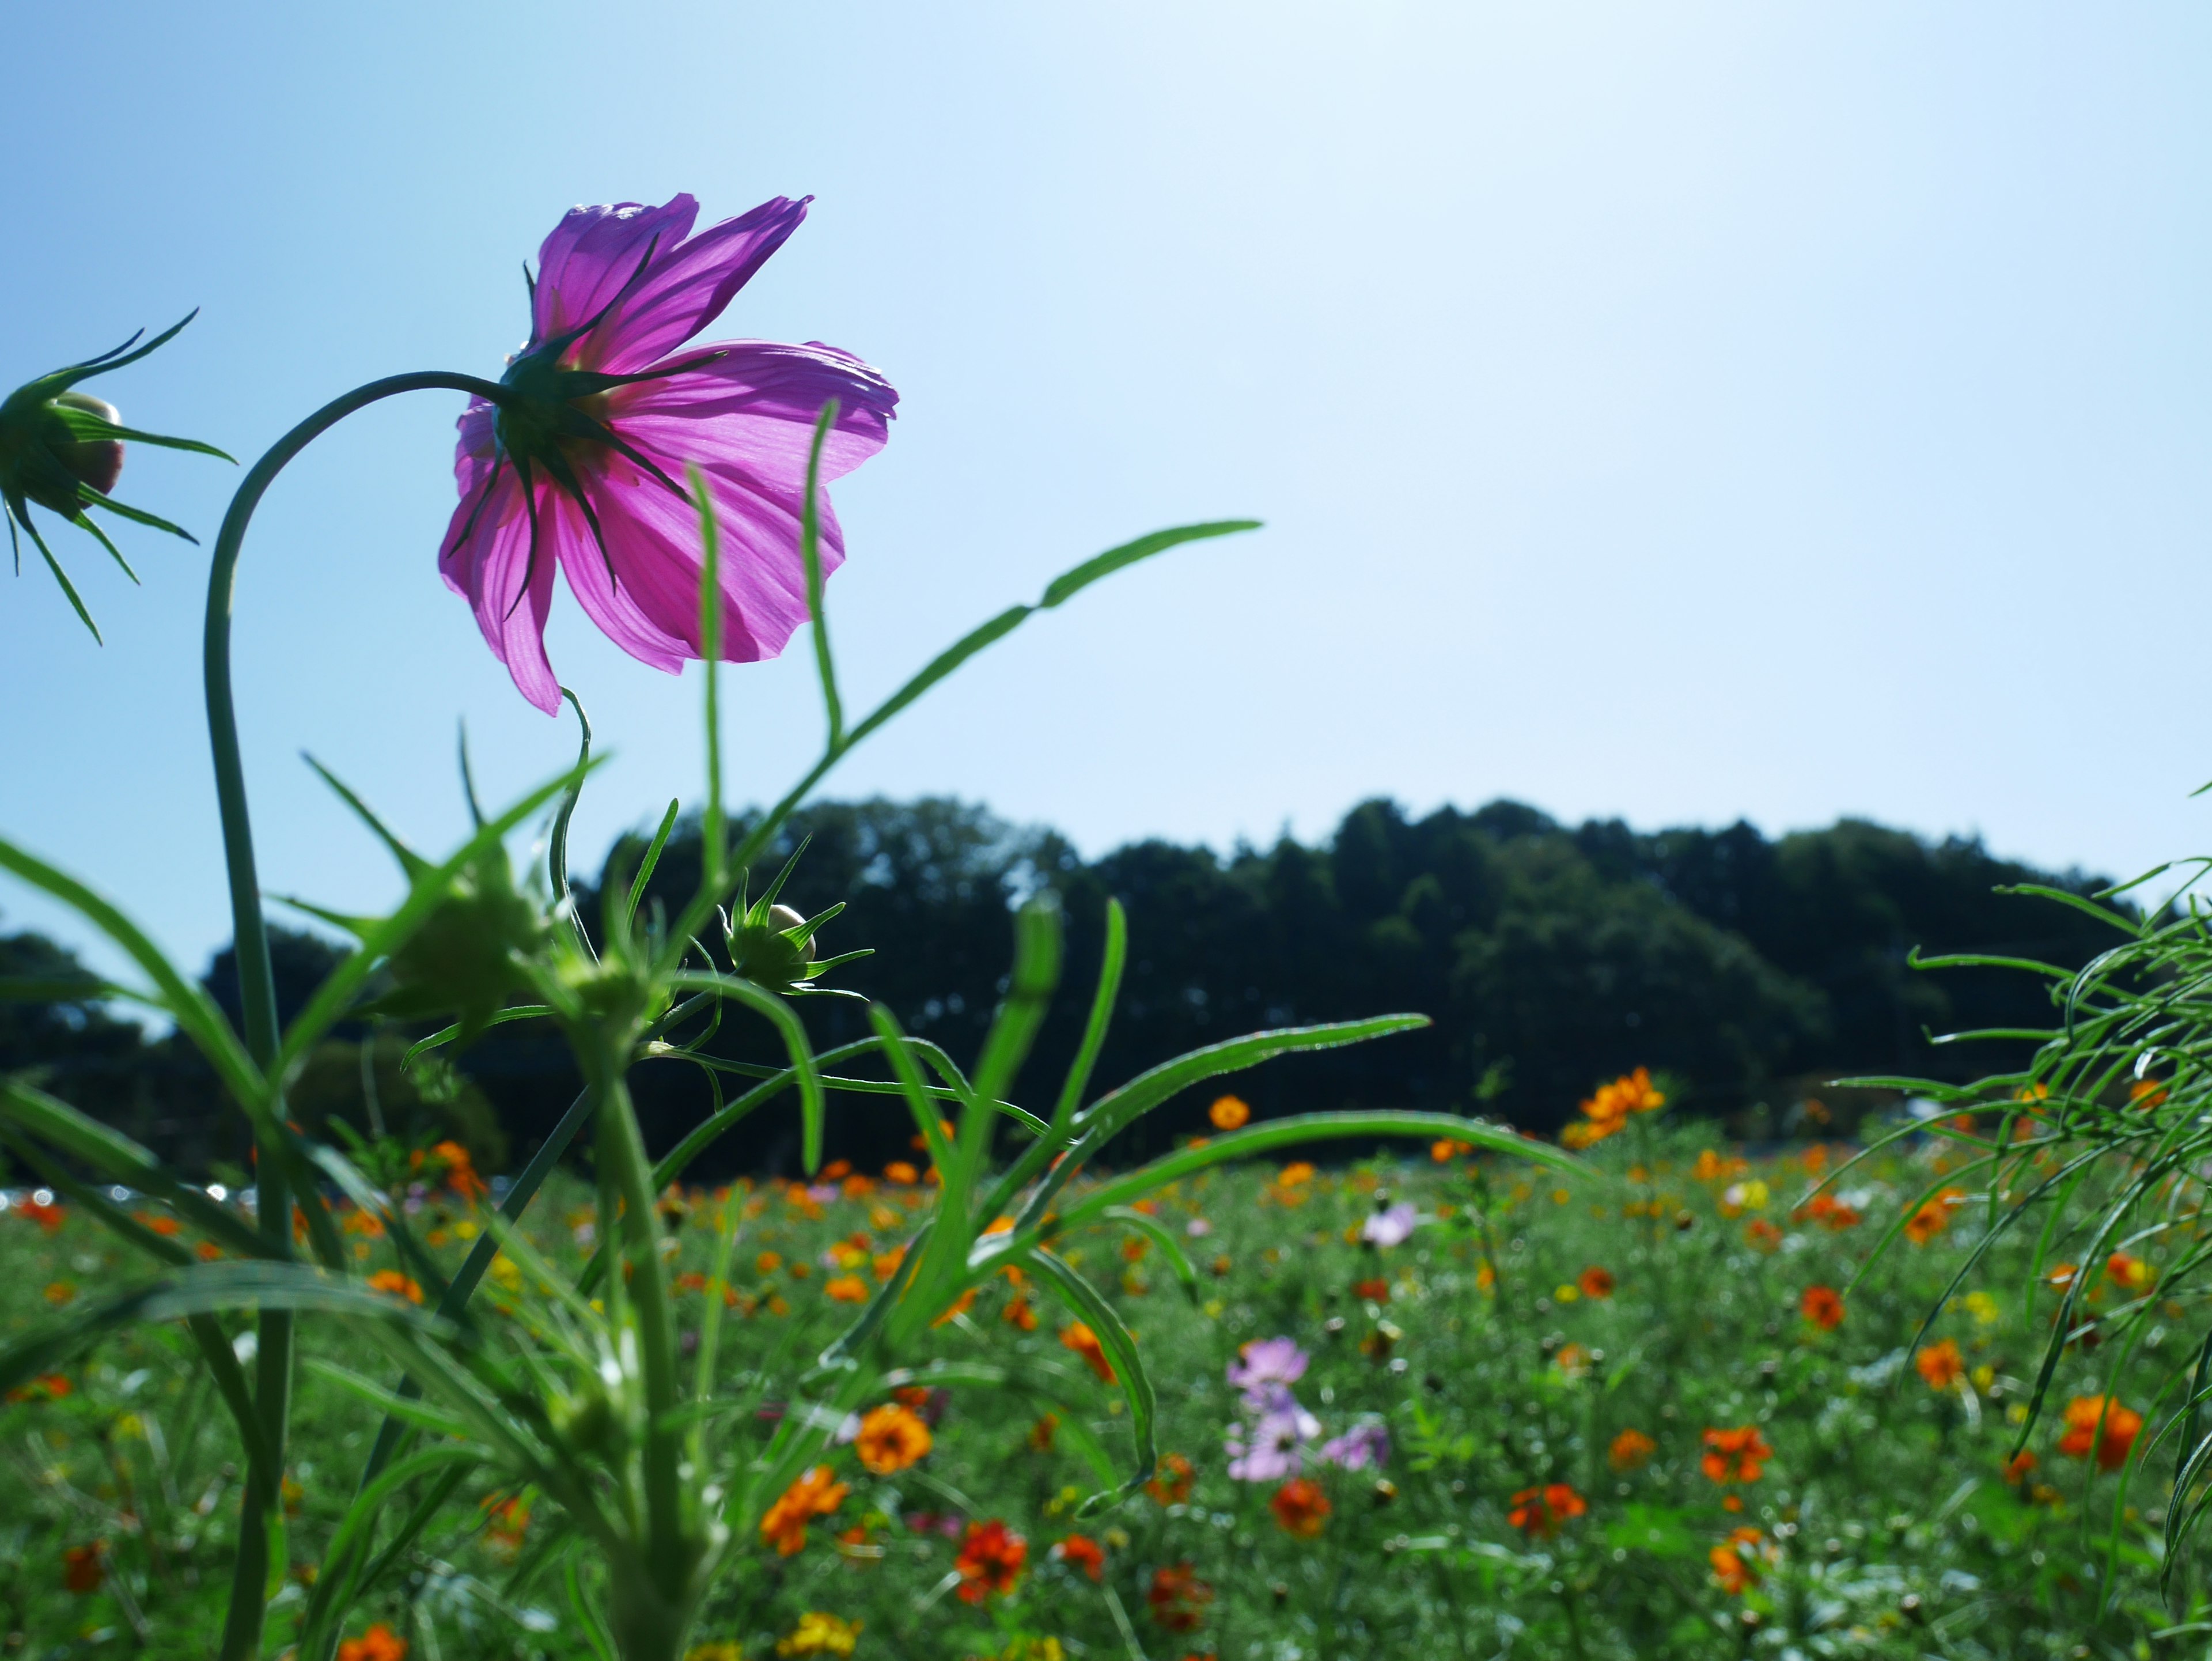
[
  {"x": 817, "y": 1633},
  {"x": 724, "y": 1651}
]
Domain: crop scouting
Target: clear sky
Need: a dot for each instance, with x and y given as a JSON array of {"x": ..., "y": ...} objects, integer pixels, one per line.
[{"x": 1681, "y": 413}]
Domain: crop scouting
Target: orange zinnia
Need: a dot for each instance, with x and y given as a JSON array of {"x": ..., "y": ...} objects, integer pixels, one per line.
[
  {"x": 1632, "y": 1449},
  {"x": 991, "y": 1559},
  {"x": 1941, "y": 1364},
  {"x": 1823, "y": 1306},
  {"x": 1933, "y": 1217},
  {"x": 1732, "y": 1561},
  {"x": 847, "y": 1289},
  {"x": 2101, "y": 1425},
  {"x": 814, "y": 1495},
  {"x": 1084, "y": 1342},
  {"x": 1178, "y": 1597},
  {"x": 398, "y": 1284},
  {"x": 1739, "y": 1455},
  {"x": 1540, "y": 1510},
  {"x": 1081, "y": 1551},
  {"x": 1595, "y": 1282},
  {"x": 379, "y": 1643},
  {"x": 1300, "y": 1507},
  {"x": 1170, "y": 1483},
  {"x": 1229, "y": 1113},
  {"x": 892, "y": 1438}
]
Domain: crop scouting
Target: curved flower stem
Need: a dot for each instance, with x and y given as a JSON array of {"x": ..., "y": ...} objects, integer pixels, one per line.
[{"x": 242, "y": 1637}]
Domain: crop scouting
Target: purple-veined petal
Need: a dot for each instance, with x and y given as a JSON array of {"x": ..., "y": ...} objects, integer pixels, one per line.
[
  {"x": 489, "y": 569},
  {"x": 593, "y": 251},
  {"x": 755, "y": 408},
  {"x": 686, "y": 288}
]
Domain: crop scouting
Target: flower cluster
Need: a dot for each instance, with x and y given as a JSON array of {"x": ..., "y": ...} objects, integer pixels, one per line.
[{"x": 1606, "y": 1113}]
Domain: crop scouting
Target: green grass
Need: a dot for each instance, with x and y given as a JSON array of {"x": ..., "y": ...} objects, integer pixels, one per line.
[{"x": 1886, "y": 1527}]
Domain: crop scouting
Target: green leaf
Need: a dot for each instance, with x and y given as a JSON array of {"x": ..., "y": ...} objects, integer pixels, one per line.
[
  {"x": 1120, "y": 1346},
  {"x": 1065, "y": 587},
  {"x": 1164, "y": 1238}
]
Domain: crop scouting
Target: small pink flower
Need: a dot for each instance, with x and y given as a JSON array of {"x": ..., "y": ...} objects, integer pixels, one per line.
[{"x": 582, "y": 465}]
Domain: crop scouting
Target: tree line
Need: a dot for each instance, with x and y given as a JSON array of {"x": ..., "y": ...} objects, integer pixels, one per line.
[{"x": 1549, "y": 957}]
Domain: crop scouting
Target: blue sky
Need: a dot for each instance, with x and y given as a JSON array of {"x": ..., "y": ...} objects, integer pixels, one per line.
[{"x": 1678, "y": 412}]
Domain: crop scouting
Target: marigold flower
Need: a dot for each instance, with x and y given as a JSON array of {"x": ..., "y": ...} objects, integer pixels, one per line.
[
  {"x": 1540, "y": 1510},
  {"x": 1450, "y": 1148},
  {"x": 1935, "y": 1216},
  {"x": 1177, "y": 1597},
  {"x": 814, "y": 1493},
  {"x": 892, "y": 1438},
  {"x": 84, "y": 1568},
  {"x": 581, "y": 463},
  {"x": 2100, "y": 1424},
  {"x": 1631, "y": 1450},
  {"x": 379, "y": 1643},
  {"x": 847, "y": 1289},
  {"x": 900, "y": 1172},
  {"x": 991, "y": 1559},
  {"x": 1300, "y": 1507},
  {"x": 1941, "y": 1364},
  {"x": 1080, "y": 1551},
  {"x": 1823, "y": 1306},
  {"x": 392, "y": 1281},
  {"x": 1595, "y": 1282},
  {"x": 1084, "y": 1342},
  {"x": 1737, "y": 1455},
  {"x": 1170, "y": 1481},
  {"x": 2129, "y": 1273},
  {"x": 2016, "y": 1468},
  {"x": 1229, "y": 1113},
  {"x": 1735, "y": 1565},
  {"x": 817, "y": 1633}
]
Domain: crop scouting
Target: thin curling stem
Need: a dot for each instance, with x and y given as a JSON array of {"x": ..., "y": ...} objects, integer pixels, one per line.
[{"x": 256, "y": 985}]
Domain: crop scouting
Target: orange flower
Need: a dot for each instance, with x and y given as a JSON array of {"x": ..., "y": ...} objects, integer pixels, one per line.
[
  {"x": 1595, "y": 1282},
  {"x": 1372, "y": 1291},
  {"x": 813, "y": 1494},
  {"x": 901, "y": 1173},
  {"x": 207, "y": 1250},
  {"x": 48, "y": 1387},
  {"x": 892, "y": 1438},
  {"x": 1042, "y": 1432},
  {"x": 1739, "y": 1455},
  {"x": 59, "y": 1292},
  {"x": 2146, "y": 1094},
  {"x": 1444, "y": 1152},
  {"x": 2100, "y": 1424},
  {"x": 1170, "y": 1483},
  {"x": 2129, "y": 1273},
  {"x": 163, "y": 1226},
  {"x": 1229, "y": 1113},
  {"x": 1300, "y": 1507},
  {"x": 1178, "y": 1597},
  {"x": 1933, "y": 1217},
  {"x": 1823, "y": 1306},
  {"x": 1733, "y": 1562},
  {"x": 1632, "y": 1449},
  {"x": 1540, "y": 1510},
  {"x": 847, "y": 1289},
  {"x": 83, "y": 1567},
  {"x": 1021, "y": 1313},
  {"x": 1941, "y": 1364},
  {"x": 399, "y": 1286},
  {"x": 1084, "y": 1342},
  {"x": 991, "y": 1559},
  {"x": 1762, "y": 1234},
  {"x": 379, "y": 1643},
  {"x": 1080, "y": 1551},
  {"x": 887, "y": 1264},
  {"x": 1296, "y": 1174},
  {"x": 460, "y": 1172},
  {"x": 2018, "y": 1466}
]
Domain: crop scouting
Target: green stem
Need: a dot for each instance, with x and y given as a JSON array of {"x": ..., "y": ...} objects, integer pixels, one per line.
[{"x": 256, "y": 985}]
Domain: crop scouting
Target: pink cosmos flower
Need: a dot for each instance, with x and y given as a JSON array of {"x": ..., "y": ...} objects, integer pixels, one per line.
[
  {"x": 582, "y": 464},
  {"x": 1264, "y": 1365},
  {"x": 1392, "y": 1227}
]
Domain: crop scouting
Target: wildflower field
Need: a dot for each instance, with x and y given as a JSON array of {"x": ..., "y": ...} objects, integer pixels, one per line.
[{"x": 1416, "y": 1405}]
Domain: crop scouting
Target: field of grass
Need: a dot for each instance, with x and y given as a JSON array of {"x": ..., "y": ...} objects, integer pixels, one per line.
[{"x": 1600, "y": 1419}]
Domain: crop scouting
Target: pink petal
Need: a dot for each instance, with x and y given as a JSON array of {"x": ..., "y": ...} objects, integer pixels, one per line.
[
  {"x": 489, "y": 569},
  {"x": 755, "y": 408},
  {"x": 687, "y": 287},
  {"x": 593, "y": 252}
]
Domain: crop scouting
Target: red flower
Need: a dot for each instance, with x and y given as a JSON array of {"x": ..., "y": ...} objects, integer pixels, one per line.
[
  {"x": 1080, "y": 1551},
  {"x": 1736, "y": 1456},
  {"x": 1170, "y": 1483},
  {"x": 1372, "y": 1291},
  {"x": 1540, "y": 1510},
  {"x": 1596, "y": 1282},
  {"x": 1823, "y": 1306},
  {"x": 991, "y": 1559},
  {"x": 83, "y": 1567},
  {"x": 1178, "y": 1597},
  {"x": 1300, "y": 1507},
  {"x": 1084, "y": 1342},
  {"x": 2101, "y": 1424}
]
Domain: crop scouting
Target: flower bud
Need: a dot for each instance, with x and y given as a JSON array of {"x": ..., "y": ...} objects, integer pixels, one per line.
[
  {"x": 96, "y": 462},
  {"x": 775, "y": 951}
]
